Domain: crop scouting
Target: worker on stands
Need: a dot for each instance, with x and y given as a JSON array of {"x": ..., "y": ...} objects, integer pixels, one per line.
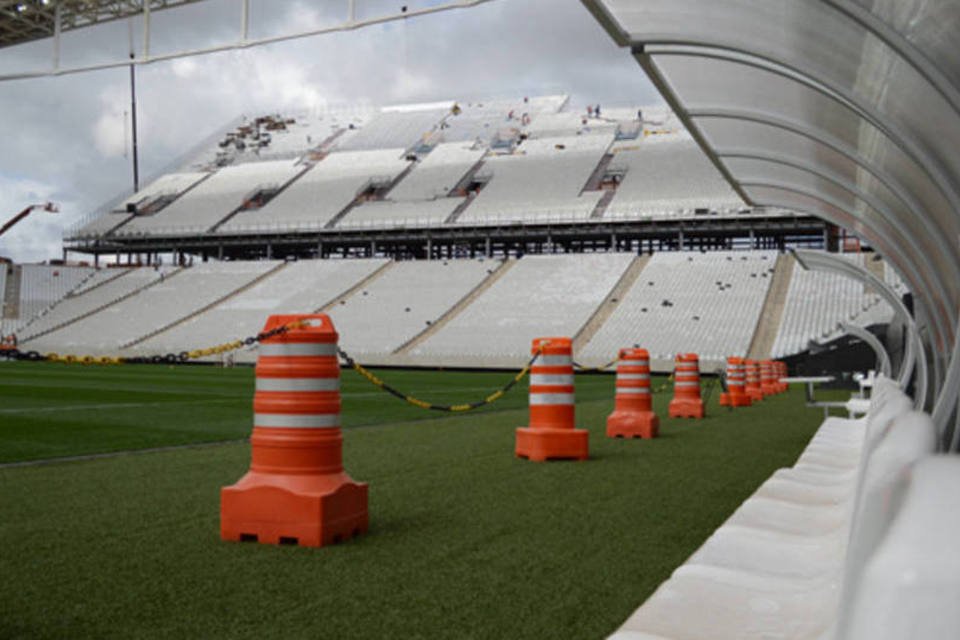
[
  {"x": 596, "y": 111},
  {"x": 640, "y": 115},
  {"x": 589, "y": 110}
]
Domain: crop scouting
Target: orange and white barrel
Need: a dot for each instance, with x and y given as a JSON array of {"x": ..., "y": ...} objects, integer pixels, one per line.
[
  {"x": 769, "y": 384},
  {"x": 633, "y": 415},
  {"x": 736, "y": 394},
  {"x": 781, "y": 374},
  {"x": 686, "y": 402},
  {"x": 754, "y": 389},
  {"x": 296, "y": 491},
  {"x": 551, "y": 433}
]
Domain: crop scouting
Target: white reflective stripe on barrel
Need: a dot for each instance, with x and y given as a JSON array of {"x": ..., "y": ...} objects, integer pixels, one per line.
[
  {"x": 633, "y": 376},
  {"x": 553, "y": 361},
  {"x": 297, "y": 420},
  {"x": 551, "y": 398},
  {"x": 686, "y": 384},
  {"x": 551, "y": 379},
  {"x": 640, "y": 390},
  {"x": 298, "y": 384},
  {"x": 298, "y": 349}
]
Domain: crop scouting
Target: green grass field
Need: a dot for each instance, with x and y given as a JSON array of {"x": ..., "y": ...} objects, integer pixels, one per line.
[{"x": 465, "y": 540}]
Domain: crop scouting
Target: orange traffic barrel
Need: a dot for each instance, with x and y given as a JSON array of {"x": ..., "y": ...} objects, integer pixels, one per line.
[
  {"x": 686, "y": 402},
  {"x": 633, "y": 415},
  {"x": 781, "y": 373},
  {"x": 769, "y": 384},
  {"x": 736, "y": 394},
  {"x": 296, "y": 491},
  {"x": 754, "y": 390},
  {"x": 551, "y": 433}
]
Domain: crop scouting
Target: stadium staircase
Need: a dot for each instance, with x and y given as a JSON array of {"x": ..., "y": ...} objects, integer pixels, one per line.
[
  {"x": 609, "y": 303},
  {"x": 117, "y": 300},
  {"x": 455, "y": 310},
  {"x": 768, "y": 325},
  {"x": 593, "y": 182},
  {"x": 11, "y": 294},
  {"x": 359, "y": 286},
  {"x": 603, "y": 204},
  {"x": 204, "y": 309},
  {"x": 460, "y": 188},
  {"x": 120, "y": 273}
]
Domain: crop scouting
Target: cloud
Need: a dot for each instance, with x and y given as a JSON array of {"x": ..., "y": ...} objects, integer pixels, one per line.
[{"x": 66, "y": 134}]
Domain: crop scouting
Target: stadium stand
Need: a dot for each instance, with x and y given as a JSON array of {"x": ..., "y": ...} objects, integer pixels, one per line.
[
  {"x": 704, "y": 303},
  {"x": 487, "y": 120},
  {"x": 299, "y": 287},
  {"x": 202, "y": 207},
  {"x": 542, "y": 180},
  {"x": 111, "y": 286},
  {"x": 403, "y": 302},
  {"x": 155, "y": 307},
  {"x": 149, "y": 200},
  {"x": 667, "y": 176},
  {"x": 401, "y": 126},
  {"x": 323, "y": 192},
  {"x": 538, "y": 296},
  {"x": 817, "y": 302},
  {"x": 41, "y": 286},
  {"x": 438, "y": 173},
  {"x": 386, "y": 214}
]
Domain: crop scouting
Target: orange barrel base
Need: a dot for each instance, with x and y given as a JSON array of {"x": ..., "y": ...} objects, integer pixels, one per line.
[
  {"x": 542, "y": 444},
  {"x": 310, "y": 511},
  {"x": 732, "y": 400},
  {"x": 686, "y": 408},
  {"x": 633, "y": 424}
]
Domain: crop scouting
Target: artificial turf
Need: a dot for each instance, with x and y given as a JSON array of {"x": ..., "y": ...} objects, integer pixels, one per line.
[{"x": 465, "y": 540}]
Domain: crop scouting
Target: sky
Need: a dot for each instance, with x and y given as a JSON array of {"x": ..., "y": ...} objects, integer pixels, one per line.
[{"x": 67, "y": 138}]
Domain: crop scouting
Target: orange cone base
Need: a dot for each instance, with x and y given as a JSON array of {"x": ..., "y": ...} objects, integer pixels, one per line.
[
  {"x": 686, "y": 408},
  {"x": 727, "y": 400},
  {"x": 552, "y": 444},
  {"x": 633, "y": 424},
  {"x": 755, "y": 396},
  {"x": 310, "y": 511},
  {"x": 769, "y": 390}
]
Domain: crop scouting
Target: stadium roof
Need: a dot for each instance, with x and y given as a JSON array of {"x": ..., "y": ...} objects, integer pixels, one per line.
[{"x": 27, "y": 20}]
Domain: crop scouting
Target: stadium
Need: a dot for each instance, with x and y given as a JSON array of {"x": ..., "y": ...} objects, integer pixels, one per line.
[{"x": 670, "y": 366}]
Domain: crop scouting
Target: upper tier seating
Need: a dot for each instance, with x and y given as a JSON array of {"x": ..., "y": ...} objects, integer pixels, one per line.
[
  {"x": 299, "y": 287},
  {"x": 704, "y": 303},
  {"x": 485, "y": 120},
  {"x": 153, "y": 308},
  {"x": 404, "y": 302},
  {"x": 842, "y": 546},
  {"x": 550, "y": 295},
  {"x": 542, "y": 180},
  {"x": 213, "y": 199},
  {"x": 438, "y": 173},
  {"x": 667, "y": 176},
  {"x": 395, "y": 127},
  {"x": 321, "y": 193},
  {"x": 169, "y": 185},
  {"x": 383, "y": 214}
]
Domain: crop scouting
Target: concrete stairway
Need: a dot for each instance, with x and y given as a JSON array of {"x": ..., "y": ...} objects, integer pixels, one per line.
[{"x": 771, "y": 315}]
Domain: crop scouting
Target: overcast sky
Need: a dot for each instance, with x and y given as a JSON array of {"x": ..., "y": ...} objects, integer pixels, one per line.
[{"x": 65, "y": 138}]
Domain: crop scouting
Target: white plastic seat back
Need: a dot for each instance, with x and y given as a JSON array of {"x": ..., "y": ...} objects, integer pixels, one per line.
[
  {"x": 910, "y": 587},
  {"x": 911, "y": 437}
]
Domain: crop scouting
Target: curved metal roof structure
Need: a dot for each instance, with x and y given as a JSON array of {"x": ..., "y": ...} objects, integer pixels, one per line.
[{"x": 846, "y": 109}]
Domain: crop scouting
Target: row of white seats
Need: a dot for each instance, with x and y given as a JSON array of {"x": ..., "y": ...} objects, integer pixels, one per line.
[
  {"x": 41, "y": 286},
  {"x": 537, "y": 296},
  {"x": 854, "y": 542},
  {"x": 153, "y": 308},
  {"x": 113, "y": 284},
  {"x": 817, "y": 302},
  {"x": 664, "y": 173},
  {"x": 705, "y": 303}
]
